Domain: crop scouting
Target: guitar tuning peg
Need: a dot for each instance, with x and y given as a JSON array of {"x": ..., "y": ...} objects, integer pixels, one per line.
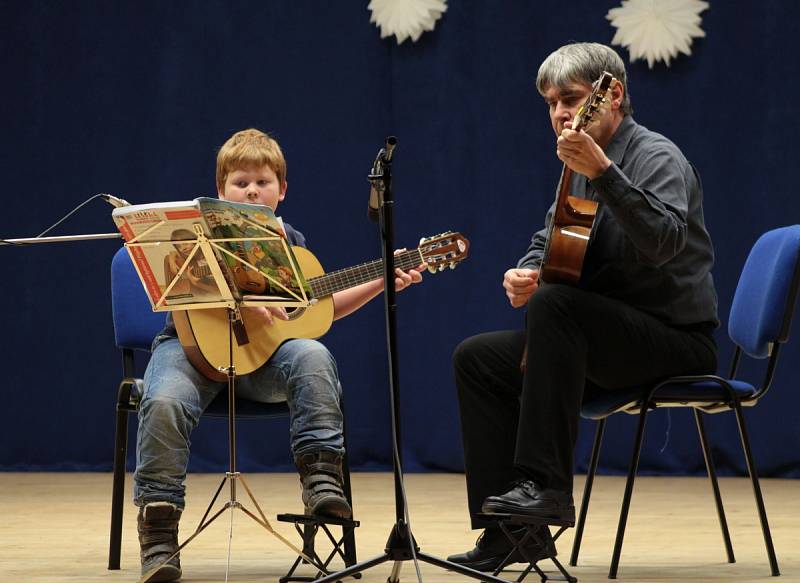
[
  {"x": 453, "y": 265},
  {"x": 432, "y": 268}
]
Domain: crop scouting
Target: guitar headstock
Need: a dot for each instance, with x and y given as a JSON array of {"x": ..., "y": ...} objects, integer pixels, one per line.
[
  {"x": 595, "y": 102},
  {"x": 440, "y": 251}
]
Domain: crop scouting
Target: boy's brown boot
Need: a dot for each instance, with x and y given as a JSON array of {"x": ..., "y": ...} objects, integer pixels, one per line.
[
  {"x": 158, "y": 539},
  {"x": 321, "y": 476}
]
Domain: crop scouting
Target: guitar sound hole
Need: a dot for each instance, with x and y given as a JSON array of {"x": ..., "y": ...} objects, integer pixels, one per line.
[{"x": 294, "y": 313}]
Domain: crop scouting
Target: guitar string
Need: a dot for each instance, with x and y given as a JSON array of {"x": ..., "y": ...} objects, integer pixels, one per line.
[
  {"x": 345, "y": 278},
  {"x": 357, "y": 275}
]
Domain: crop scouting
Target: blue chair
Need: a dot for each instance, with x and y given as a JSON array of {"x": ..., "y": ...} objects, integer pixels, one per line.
[
  {"x": 135, "y": 326},
  {"x": 759, "y": 324}
]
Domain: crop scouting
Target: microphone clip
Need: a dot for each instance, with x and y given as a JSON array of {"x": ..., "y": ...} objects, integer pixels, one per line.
[
  {"x": 380, "y": 177},
  {"x": 114, "y": 201}
]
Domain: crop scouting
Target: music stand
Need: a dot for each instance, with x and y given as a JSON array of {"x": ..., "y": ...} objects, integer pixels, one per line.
[
  {"x": 400, "y": 545},
  {"x": 232, "y": 301}
]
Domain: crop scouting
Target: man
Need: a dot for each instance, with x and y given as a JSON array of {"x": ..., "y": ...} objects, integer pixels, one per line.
[{"x": 644, "y": 308}]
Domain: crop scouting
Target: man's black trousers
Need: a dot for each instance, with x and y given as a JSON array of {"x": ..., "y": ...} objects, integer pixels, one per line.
[{"x": 517, "y": 424}]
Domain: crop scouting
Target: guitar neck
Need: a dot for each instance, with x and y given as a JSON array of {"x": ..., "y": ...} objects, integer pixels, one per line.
[
  {"x": 560, "y": 202},
  {"x": 343, "y": 279}
]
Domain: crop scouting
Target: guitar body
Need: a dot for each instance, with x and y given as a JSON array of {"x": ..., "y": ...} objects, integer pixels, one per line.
[
  {"x": 568, "y": 241},
  {"x": 204, "y": 333}
]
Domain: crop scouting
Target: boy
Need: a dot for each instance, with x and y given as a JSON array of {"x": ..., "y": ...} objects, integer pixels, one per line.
[{"x": 250, "y": 169}]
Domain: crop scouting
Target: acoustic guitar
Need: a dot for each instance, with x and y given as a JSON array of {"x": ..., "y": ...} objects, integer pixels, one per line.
[
  {"x": 204, "y": 334},
  {"x": 570, "y": 229}
]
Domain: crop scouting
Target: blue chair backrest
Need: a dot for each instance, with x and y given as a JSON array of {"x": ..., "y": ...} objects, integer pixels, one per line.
[
  {"x": 135, "y": 323},
  {"x": 764, "y": 300}
]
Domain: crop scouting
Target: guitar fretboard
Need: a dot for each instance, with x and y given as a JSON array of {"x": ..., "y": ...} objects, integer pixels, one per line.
[{"x": 343, "y": 279}]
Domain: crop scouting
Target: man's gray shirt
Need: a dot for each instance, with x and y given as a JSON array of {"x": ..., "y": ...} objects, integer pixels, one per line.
[{"x": 649, "y": 246}]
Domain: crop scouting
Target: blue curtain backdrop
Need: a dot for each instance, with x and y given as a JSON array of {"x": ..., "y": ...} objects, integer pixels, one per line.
[{"x": 134, "y": 99}]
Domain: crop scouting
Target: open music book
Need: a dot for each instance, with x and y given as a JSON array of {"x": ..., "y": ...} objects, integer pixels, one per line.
[{"x": 205, "y": 251}]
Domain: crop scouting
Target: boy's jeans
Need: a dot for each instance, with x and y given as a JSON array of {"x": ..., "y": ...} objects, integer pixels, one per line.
[{"x": 301, "y": 372}]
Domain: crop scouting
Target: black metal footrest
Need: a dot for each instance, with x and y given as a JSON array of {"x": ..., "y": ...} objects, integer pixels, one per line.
[
  {"x": 522, "y": 531},
  {"x": 308, "y": 527}
]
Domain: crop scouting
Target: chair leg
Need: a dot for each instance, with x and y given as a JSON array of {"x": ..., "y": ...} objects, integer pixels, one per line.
[
  {"x": 762, "y": 512},
  {"x": 712, "y": 476},
  {"x": 587, "y": 491},
  {"x": 626, "y": 499},
  {"x": 348, "y": 533},
  {"x": 118, "y": 489},
  {"x": 120, "y": 457},
  {"x": 349, "y": 536}
]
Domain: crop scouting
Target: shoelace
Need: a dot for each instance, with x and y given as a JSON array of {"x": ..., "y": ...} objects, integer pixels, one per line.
[{"x": 526, "y": 484}]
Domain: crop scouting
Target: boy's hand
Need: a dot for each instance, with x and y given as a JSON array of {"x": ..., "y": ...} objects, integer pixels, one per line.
[
  {"x": 520, "y": 284},
  {"x": 267, "y": 315},
  {"x": 407, "y": 278},
  {"x": 404, "y": 279}
]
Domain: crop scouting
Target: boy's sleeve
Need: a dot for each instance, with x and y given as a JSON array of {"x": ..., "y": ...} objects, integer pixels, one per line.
[{"x": 294, "y": 236}]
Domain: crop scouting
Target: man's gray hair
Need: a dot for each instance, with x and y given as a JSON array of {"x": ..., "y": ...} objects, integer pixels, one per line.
[{"x": 582, "y": 63}]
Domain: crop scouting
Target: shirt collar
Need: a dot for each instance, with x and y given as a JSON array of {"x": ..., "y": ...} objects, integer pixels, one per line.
[{"x": 619, "y": 141}]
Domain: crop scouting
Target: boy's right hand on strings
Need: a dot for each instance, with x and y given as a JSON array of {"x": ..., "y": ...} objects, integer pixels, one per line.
[
  {"x": 520, "y": 285},
  {"x": 266, "y": 315}
]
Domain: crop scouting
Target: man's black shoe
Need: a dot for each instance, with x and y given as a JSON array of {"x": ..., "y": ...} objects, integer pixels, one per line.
[
  {"x": 493, "y": 547},
  {"x": 526, "y": 499}
]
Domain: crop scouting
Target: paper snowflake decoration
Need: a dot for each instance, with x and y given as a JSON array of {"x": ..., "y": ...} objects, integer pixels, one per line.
[
  {"x": 657, "y": 29},
  {"x": 406, "y": 18}
]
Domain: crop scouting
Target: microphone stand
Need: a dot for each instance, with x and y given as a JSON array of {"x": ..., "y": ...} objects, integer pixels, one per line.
[
  {"x": 401, "y": 545},
  {"x": 109, "y": 198},
  {"x": 59, "y": 239}
]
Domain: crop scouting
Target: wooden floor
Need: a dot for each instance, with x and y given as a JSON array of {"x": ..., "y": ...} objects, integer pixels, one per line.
[{"x": 54, "y": 528}]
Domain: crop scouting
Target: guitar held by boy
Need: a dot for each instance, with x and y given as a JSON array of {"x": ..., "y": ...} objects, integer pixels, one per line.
[{"x": 204, "y": 333}]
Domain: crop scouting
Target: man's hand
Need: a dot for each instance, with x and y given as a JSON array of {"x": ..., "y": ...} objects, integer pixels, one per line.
[
  {"x": 267, "y": 315},
  {"x": 580, "y": 153},
  {"x": 520, "y": 284}
]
